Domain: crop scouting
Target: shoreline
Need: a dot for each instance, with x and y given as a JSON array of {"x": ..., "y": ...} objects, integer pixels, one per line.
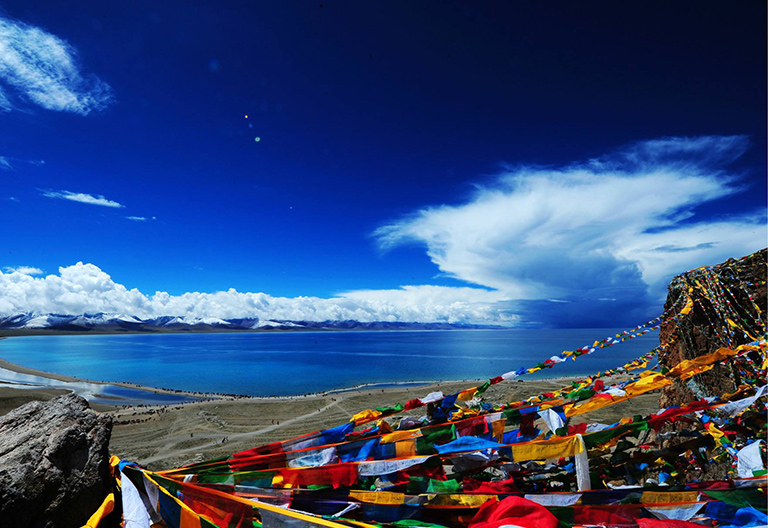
[
  {"x": 200, "y": 396},
  {"x": 37, "y": 332},
  {"x": 71, "y": 383}
]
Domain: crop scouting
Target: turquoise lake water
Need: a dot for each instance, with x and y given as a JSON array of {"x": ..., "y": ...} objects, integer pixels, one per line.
[{"x": 288, "y": 363}]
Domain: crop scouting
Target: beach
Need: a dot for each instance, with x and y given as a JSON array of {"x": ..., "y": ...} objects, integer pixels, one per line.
[{"x": 165, "y": 436}]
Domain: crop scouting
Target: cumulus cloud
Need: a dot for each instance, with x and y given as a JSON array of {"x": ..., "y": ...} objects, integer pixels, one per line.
[
  {"x": 86, "y": 288},
  {"x": 24, "y": 270},
  {"x": 618, "y": 227},
  {"x": 38, "y": 67},
  {"x": 82, "y": 198}
]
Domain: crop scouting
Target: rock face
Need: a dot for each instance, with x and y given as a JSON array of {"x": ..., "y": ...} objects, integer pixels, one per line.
[
  {"x": 54, "y": 463},
  {"x": 732, "y": 290}
]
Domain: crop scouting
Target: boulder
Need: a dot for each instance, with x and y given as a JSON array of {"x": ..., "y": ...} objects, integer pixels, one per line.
[
  {"x": 54, "y": 463},
  {"x": 737, "y": 290}
]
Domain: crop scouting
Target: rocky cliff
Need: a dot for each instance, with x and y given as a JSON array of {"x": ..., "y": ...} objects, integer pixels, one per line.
[
  {"x": 708, "y": 308},
  {"x": 54, "y": 463}
]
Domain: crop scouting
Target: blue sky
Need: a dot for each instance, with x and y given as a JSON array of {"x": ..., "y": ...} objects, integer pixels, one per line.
[{"x": 509, "y": 163}]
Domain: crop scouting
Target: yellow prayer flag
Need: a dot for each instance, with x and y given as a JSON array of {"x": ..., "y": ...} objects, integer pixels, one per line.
[
  {"x": 648, "y": 381},
  {"x": 590, "y": 405},
  {"x": 668, "y": 497},
  {"x": 105, "y": 509},
  {"x": 365, "y": 416},
  {"x": 405, "y": 448},
  {"x": 716, "y": 433},
  {"x": 378, "y": 497},
  {"x": 467, "y": 395},
  {"x": 400, "y": 435},
  {"x": 690, "y": 367},
  {"x": 457, "y": 499},
  {"x": 555, "y": 447},
  {"x": 688, "y": 306}
]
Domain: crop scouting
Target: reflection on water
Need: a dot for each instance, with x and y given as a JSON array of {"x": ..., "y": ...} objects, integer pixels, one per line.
[{"x": 93, "y": 392}]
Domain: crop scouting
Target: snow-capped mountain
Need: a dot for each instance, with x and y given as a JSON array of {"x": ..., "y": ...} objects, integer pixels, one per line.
[
  {"x": 120, "y": 322},
  {"x": 184, "y": 321},
  {"x": 276, "y": 324},
  {"x": 34, "y": 320}
]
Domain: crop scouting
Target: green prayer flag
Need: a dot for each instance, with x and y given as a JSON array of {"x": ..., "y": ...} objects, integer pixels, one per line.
[
  {"x": 414, "y": 522},
  {"x": 438, "y": 435},
  {"x": 443, "y": 486},
  {"x": 484, "y": 387},
  {"x": 741, "y": 498}
]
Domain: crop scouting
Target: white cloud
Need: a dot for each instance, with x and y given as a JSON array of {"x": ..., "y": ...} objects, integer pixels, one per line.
[
  {"x": 605, "y": 229},
  {"x": 43, "y": 69},
  {"x": 137, "y": 218},
  {"x": 24, "y": 270},
  {"x": 435, "y": 303},
  {"x": 5, "y": 162},
  {"x": 82, "y": 198},
  {"x": 701, "y": 151},
  {"x": 5, "y": 104},
  {"x": 86, "y": 288}
]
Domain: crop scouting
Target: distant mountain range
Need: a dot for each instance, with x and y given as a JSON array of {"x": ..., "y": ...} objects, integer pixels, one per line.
[{"x": 34, "y": 322}]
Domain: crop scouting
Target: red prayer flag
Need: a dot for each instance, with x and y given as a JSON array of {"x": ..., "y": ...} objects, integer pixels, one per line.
[
  {"x": 516, "y": 511},
  {"x": 413, "y": 404}
]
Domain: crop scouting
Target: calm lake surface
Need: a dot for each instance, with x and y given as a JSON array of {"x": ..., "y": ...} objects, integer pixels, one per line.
[{"x": 287, "y": 363}]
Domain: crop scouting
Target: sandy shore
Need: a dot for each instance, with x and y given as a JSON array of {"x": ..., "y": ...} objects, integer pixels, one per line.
[{"x": 167, "y": 436}]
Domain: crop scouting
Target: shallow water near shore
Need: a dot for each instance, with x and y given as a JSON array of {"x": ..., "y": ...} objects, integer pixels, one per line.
[
  {"x": 291, "y": 363},
  {"x": 103, "y": 393}
]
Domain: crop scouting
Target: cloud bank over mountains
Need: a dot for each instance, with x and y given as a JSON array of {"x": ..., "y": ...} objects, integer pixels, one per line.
[
  {"x": 86, "y": 288},
  {"x": 589, "y": 244}
]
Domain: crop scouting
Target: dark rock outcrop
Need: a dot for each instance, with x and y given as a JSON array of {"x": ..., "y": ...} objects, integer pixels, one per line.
[
  {"x": 734, "y": 290},
  {"x": 54, "y": 463}
]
